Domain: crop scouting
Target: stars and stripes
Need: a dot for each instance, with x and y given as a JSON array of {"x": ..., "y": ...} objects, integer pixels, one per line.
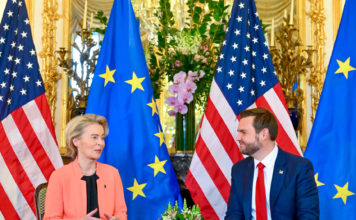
[
  {"x": 28, "y": 152},
  {"x": 244, "y": 79}
]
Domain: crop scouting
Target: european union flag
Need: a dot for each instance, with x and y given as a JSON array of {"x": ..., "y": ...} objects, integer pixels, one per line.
[
  {"x": 122, "y": 92},
  {"x": 332, "y": 143}
]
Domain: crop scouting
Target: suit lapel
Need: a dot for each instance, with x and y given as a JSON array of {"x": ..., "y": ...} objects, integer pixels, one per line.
[
  {"x": 82, "y": 187},
  {"x": 247, "y": 191},
  {"x": 101, "y": 187},
  {"x": 279, "y": 173}
]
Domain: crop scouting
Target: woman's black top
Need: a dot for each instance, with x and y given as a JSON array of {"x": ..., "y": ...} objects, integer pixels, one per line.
[{"x": 92, "y": 194}]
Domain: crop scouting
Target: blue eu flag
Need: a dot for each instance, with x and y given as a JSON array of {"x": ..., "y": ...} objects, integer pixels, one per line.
[
  {"x": 122, "y": 92},
  {"x": 332, "y": 143}
]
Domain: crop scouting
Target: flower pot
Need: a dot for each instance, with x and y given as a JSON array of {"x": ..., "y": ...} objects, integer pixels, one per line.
[{"x": 181, "y": 163}]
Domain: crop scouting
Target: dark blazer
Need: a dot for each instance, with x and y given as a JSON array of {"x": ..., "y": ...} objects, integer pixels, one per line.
[{"x": 293, "y": 194}]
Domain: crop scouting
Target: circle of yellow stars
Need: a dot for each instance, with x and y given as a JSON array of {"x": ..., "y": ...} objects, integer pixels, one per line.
[{"x": 157, "y": 165}]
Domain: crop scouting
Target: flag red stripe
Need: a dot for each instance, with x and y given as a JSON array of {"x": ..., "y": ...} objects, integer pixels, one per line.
[
  {"x": 16, "y": 169},
  {"x": 222, "y": 132},
  {"x": 283, "y": 140},
  {"x": 199, "y": 197},
  {"x": 278, "y": 90},
  {"x": 6, "y": 207},
  {"x": 33, "y": 144},
  {"x": 42, "y": 105},
  {"x": 212, "y": 168}
]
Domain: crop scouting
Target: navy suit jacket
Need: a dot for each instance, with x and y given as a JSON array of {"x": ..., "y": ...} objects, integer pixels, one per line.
[{"x": 293, "y": 194}]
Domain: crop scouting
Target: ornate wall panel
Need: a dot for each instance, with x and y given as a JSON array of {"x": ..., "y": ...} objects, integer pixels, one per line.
[
  {"x": 317, "y": 75},
  {"x": 66, "y": 42},
  {"x": 48, "y": 54},
  {"x": 337, "y": 12},
  {"x": 301, "y": 21}
]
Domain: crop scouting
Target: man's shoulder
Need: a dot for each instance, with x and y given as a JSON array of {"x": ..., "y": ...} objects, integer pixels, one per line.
[
  {"x": 243, "y": 164},
  {"x": 293, "y": 159}
]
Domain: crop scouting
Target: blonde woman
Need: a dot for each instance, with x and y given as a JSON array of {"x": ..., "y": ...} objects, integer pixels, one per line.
[{"x": 85, "y": 188}]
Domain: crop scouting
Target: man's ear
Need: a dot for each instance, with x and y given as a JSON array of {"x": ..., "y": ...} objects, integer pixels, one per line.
[{"x": 264, "y": 134}]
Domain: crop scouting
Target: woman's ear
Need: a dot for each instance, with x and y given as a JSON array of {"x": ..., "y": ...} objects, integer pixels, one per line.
[{"x": 75, "y": 141}]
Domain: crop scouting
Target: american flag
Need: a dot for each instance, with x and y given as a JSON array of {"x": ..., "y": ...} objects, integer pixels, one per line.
[
  {"x": 244, "y": 78},
  {"x": 28, "y": 146}
]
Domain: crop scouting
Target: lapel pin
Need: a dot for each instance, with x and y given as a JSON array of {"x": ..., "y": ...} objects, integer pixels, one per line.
[{"x": 280, "y": 171}]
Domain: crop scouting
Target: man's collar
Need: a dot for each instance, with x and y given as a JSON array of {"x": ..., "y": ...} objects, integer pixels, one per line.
[{"x": 270, "y": 158}]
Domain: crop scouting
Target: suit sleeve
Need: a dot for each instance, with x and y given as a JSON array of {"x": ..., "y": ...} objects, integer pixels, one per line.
[
  {"x": 307, "y": 194},
  {"x": 54, "y": 198},
  {"x": 120, "y": 205},
  {"x": 234, "y": 205}
]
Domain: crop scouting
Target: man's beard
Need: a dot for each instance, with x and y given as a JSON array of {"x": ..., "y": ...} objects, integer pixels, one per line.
[{"x": 251, "y": 148}]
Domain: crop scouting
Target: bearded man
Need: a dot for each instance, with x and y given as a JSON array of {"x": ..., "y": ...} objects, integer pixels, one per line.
[{"x": 270, "y": 183}]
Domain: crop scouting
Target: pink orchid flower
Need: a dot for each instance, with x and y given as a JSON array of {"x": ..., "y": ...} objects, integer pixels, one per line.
[{"x": 181, "y": 108}]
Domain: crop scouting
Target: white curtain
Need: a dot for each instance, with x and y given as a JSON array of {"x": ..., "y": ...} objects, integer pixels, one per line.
[{"x": 267, "y": 10}]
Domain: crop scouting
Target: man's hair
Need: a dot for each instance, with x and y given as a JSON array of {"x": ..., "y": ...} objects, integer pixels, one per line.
[
  {"x": 262, "y": 119},
  {"x": 75, "y": 129}
]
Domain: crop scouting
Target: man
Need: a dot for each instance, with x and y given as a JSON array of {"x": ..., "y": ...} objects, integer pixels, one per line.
[{"x": 270, "y": 183}]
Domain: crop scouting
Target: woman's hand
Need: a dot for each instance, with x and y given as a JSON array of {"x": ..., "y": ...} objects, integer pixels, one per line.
[
  {"x": 109, "y": 217},
  {"x": 89, "y": 216}
]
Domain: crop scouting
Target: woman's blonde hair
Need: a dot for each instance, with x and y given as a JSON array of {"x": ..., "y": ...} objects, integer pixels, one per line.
[{"x": 75, "y": 128}]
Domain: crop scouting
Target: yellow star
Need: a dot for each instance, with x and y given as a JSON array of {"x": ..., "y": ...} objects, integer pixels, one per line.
[
  {"x": 318, "y": 183},
  {"x": 343, "y": 192},
  {"x": 135, "y": 82},
  {"x": 160, "y": 135},
  {"x": 108, "y": 75},
  {"x": 158, "y": 166},
  {"x": 136, "y": 189},
  {"x": 153, "y": 106},
  {"x": 344, "y": 67}
]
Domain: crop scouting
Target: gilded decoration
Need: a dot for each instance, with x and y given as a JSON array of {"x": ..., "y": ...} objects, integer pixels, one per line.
[
  {"x": 318, "y": 71},
  {"x": 66, "y": 15},
  {"x": 48, "y": 56},
  {"x": 292, "y": 63}
]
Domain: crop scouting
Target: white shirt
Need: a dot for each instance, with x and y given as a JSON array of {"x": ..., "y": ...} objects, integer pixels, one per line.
[{"x": 269, "y": 162}]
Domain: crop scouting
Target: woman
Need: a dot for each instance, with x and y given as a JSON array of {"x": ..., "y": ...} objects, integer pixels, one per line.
[{"x": 85, "y": 188}]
